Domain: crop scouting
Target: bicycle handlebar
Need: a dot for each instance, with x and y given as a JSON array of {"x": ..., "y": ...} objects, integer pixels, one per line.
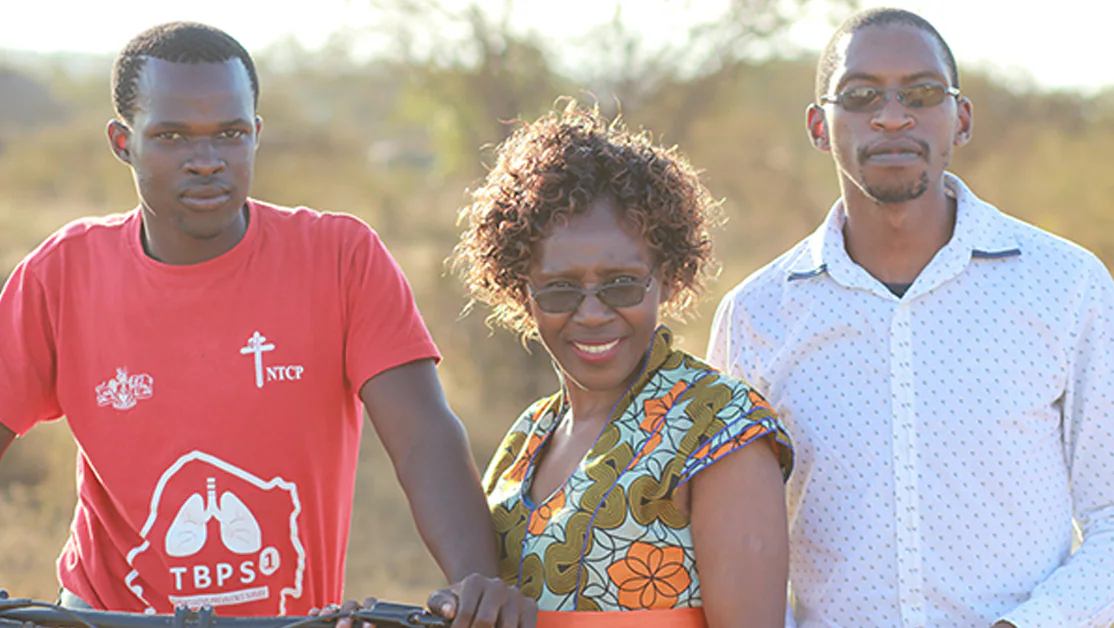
[{"x": 14, "y": 612}]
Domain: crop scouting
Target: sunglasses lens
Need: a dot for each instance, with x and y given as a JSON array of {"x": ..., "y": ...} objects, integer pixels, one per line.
[
  {"x": 558, "y": 300},
  {"x": 923, "y": 95},
  {"x": 861, "y": 98},
  {"x": 622, "y": 295}
]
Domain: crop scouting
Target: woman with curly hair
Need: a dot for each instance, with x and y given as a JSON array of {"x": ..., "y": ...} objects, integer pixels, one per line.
[{"x": 649, "y": 483}]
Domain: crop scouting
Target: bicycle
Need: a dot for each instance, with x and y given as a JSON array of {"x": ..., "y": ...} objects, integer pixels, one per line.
[{"x": 15, "y": 612}]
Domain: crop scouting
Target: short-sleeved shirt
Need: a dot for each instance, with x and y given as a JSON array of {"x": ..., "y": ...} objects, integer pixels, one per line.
[
  {"x": 611, "y": 538},
  {"x": 214, "y": 405}
]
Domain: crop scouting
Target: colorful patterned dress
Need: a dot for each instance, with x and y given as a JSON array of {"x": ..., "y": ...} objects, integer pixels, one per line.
[{"x": 611, "y": 537}]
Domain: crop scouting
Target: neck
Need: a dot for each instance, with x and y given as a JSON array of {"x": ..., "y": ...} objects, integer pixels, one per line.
[
  {"x": 595, "y": 406},
  {"x": 895, "y": 241},
  {"x": 590, "y": 406},
  {"x": 171, "y": 246}
]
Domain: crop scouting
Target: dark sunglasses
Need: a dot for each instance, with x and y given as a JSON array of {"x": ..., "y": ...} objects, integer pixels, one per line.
[
  {"x": 865, "y": 98},
  {"x": 565, "y": 299}
]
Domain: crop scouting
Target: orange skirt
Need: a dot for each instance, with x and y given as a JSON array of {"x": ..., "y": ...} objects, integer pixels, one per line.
[{"x": 672, "y": 618}]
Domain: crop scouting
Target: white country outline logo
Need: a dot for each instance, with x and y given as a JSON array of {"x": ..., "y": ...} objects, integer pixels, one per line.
[
  {"x": 256, "y": 347},
  {"x": 124, "y": 391},
  {"x": 234, "y": 537}
]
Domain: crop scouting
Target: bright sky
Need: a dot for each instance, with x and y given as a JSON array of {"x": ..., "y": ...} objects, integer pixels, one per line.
[{"x": 1060, "y": 45}]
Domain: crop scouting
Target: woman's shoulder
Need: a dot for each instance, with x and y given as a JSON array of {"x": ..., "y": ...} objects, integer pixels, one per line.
[
  {"x": 524, "y": 435},
  {"x": 726, "y": 413},
  {"x": 693, "y": 370}
]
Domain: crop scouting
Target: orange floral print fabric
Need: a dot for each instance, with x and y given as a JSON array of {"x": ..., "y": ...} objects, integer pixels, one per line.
[{"x": 611, "y": 538}]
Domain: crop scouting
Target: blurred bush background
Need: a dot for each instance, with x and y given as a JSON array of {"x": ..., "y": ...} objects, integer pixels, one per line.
[{"x": 398, "y": 138}]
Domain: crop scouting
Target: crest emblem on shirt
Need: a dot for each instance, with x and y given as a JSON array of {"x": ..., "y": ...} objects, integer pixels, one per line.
[{"x": 125, "y": 390}]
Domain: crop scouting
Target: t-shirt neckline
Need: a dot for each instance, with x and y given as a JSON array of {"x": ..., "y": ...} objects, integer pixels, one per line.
[{"x": 227, "y": 259}]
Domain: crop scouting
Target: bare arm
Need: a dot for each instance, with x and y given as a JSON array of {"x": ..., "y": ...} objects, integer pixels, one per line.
[
  {"x": 429, "y": 450},
  {"x": 430, "y": 453},
  {"x": 740, "y": 535}
]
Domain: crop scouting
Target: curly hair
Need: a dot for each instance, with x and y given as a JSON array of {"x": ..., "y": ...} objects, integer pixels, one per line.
[
  {"x": 179, "y": 42},
  {"x": 555, "y": 167}
]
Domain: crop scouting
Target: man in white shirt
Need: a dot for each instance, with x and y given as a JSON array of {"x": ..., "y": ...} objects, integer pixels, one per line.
[{"x": 946, "y": 371}]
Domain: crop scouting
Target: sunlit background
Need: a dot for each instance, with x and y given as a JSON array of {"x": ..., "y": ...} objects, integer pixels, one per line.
[
  {"x": 387, "y": 110},
  {"x": 1055, "y": 45}
]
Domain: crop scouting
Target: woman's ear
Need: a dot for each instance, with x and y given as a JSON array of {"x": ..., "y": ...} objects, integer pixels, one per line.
[{"x": 666, "y": 291}]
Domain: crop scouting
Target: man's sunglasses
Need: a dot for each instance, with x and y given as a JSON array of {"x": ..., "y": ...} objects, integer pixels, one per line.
[
  {"x": 565, "y": 299},
  {"x": 865, "y": 98}
]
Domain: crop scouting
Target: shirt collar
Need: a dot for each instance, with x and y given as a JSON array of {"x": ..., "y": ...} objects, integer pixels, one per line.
[{"x": 979, "y": 233}]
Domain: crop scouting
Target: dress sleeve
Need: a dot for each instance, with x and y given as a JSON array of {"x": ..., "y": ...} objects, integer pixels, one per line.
[
  {"x": 727, "y": 416},
  {"x": 518, "y": 446},
  {"x": 28, "y": 361},
  {"x": 384, "y": 327}
]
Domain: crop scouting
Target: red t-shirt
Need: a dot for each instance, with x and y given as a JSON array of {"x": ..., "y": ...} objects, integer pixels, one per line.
[{"x": 214, "y": 405}]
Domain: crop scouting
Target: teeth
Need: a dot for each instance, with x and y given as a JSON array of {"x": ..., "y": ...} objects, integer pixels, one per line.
[{"x": 596, "y": 348}]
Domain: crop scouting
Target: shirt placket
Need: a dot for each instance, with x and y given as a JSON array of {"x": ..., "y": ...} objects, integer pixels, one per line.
[{"x": 905, "y": 465}]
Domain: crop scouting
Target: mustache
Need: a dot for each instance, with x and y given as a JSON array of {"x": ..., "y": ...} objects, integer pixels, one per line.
[{"x": 865, "y": 151}]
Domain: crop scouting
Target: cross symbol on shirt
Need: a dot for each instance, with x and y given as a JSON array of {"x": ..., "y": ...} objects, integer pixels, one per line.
[{"x": 256, "y": 345}]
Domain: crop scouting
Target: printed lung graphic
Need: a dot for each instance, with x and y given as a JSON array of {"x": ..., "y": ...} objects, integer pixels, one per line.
[
  {"x": 239, "y": 530},
  {"x": 218, "y": 535},
  {"x": 187, "y": 534}
]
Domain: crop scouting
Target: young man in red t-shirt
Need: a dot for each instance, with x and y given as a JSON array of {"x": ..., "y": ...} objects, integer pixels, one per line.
[{"x": 209, "y": 352}]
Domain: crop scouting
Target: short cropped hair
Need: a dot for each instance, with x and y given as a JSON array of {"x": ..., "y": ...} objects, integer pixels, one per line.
[
  {"x": 556, "y": 167},
  {"x": 826, "y": 67},
  {"x": 178, "y": 42}
]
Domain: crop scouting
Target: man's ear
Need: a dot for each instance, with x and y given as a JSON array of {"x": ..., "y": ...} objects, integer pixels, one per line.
[
  {"x": 119, "y": 140},
  {"x": 817, "y": 125},
  {"x": 966, "y": 122},
  {"x": 258, "y": 128}
]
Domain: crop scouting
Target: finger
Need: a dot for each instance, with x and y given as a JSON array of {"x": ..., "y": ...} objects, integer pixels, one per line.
[
  {"x": 347, "y": 607},
  {"x": 468, "y": 600},
  {"x": 442, "y": 603},
  {"x": 509, "y": 615},
  {"x": 493, "y": 597},
  {"x": 529, "y": 615},
  {"x": 369, "y": 603}
]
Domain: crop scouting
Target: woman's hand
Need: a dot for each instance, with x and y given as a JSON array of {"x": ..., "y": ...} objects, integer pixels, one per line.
[{"x": 479, "y": 602}]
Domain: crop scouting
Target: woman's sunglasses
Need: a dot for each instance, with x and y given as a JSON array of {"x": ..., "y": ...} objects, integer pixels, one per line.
[{"x": 565, "y": 299}]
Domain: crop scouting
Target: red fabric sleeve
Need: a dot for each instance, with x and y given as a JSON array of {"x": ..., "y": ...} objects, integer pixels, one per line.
[
  {"x": 27, "y": 358},
  {"x": 385, "y": 329}
]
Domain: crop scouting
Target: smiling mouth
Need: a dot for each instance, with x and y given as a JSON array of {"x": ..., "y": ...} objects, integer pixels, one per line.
[{"x": 597, "y": 348}]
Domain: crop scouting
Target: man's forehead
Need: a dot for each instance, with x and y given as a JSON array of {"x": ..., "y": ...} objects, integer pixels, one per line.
[
  {"x": 163, "y": 83},
  {"x": 888, "y": 51},
  {"x": 159, "y": 75}
]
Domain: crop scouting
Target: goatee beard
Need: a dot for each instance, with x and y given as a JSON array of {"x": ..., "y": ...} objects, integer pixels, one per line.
[{"x": 899, "y": 193}]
